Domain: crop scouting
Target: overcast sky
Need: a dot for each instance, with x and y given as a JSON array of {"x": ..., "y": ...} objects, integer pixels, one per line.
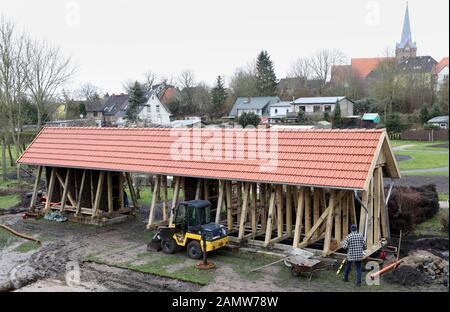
[{"x": 115, "y": 41}]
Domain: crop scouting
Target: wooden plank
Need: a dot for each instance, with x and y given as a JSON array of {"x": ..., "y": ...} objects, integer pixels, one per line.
[
  {"x": 220, "y": 200},
  {"x": 164, "y": 198},
  {"x": 307, "y": 210},
  {"x": 91, "y": 179},
  {"x": 254, "y": 202},
  {"x": 35, "y": 188},
  {"x": 239, "y": 199},
  {"x": 175, "y": 199},
  {"x": 98, "y": 193},
  {"x": 289, "y": 210},
  {"x": 51, "y": 185},
  {"x": 80, "y": 196},
  {"x": 299, "y": 216},
  {"x": 363, "y": 212},
  {"x": 329, "y": 228},
  {"x": 205, "y": 188},
  {"x": 314, "y": 228},
  {"x": 270, "y": 218},
  {"x": 109, "y": 192},
  {"x": 229, "y": 200},
  {"x": 69, "y": 195},
  {"x": 154, "y": 200},
  {"x": 66, "y": 190},
  {"x": 244, "y": 210},
  {"x": 352, "y": 208},
  {"x": 376, "y": 205}
]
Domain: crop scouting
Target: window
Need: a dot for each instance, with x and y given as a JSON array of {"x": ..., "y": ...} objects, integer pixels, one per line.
[
  {"x": 149, "y": 109},
  {"x": 302, "y": 108},
  {"x": 276, "y": 111},
  {"x": 316, "y": 108},
  {"x": 328, "y": 108},
  {"x": 157, "y": 109},
  {"x": 95, "y": 114}
]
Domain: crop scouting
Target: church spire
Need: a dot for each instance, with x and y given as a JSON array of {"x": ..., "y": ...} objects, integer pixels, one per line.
[{"x": 406, "y": 47}]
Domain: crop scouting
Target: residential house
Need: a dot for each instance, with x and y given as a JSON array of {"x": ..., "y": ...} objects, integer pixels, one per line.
[
  {"x": 440, "y": 121},
  {"x": 154, "y": 111},
  {"x": 319, "y": 105},
  {"x": 259, "y": 105},
  {"x": 94, "y": 108},
  {"x": 441, "y": 72},
  {"x": 114, "y": 110},
  {"x": 370, "y": 120},
  {"x": 280, "y": 109}
]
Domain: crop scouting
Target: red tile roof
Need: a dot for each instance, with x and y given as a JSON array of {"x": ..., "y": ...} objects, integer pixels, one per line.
[
  {"x": 441, "y": 65},
  {"x": 362, "y": 67},
  {"x": 324, "y": 158}
]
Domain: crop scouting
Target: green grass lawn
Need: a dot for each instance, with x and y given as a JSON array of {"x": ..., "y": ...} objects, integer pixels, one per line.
[
  {"x": 27, "y": 246},
  {"x": 418, "y": 144},
  {"x": 432, "y": 226},
  {"x": 422, "y": 160},
  {"x": 443, "y": 196},
  {"x": 8, "y": 201}
]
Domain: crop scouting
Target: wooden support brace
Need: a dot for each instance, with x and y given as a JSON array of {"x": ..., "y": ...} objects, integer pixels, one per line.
[
  {"x": 376, "y": 205},
  {"x": 66, "y": 191},
  {"x": 62, "y": 183},
  {"x": 253, "y": 204},
  {"x": 51, "y": 185},
  {"x": 98, "y": 194},
  {"x": 35, "y": 189},
  {"x": 220, "y": 200},
  {"x": 307, "y": 210},
  {"x": 244, "y": 210},
  {"x": 154, "y": 200},
  {"x": 80, "y": 196},
  {"x": 110, "y": 192},
  {"x": 164, "y": 198},
  {"x": 279, "y": 210},
  {"x": 289, "y": 210},
  {"x": 229, "y": 205},
  {"x": 299, "y": 217},
  {"x": 175, "y": 199},
  {"x": 270, "y": 218},
  {"x": 132, "y": 191},
  {"x": 198, "y": 189},
  {"x": 329, "y": 228}
]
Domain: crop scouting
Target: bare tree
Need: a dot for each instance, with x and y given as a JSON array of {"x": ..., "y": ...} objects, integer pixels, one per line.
[
  {"x": 150, "y": 79},
  {"x": 48, "y": 71},
  {"x": 301, "y": 68},
  {"x": 187, "y": 83},
  {"x": 88, "y": 92},
  {"x": 322, "y": 61}
]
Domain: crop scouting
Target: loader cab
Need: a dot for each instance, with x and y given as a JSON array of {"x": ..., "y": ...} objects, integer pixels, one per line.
[{"x": 191, "y": 215}]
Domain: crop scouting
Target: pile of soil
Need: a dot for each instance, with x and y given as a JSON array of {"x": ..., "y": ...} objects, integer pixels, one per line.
[
  {"x": 418, "y": 268},
  {"x": 409, "y": 206}
]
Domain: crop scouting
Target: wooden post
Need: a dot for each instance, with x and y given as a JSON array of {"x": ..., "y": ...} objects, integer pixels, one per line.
[
  {"x": 307, "y": 209},
  {"x": 51, "y": 185},
  {"x": 345, "y": 215},
  {"x": 35, "y": 189},
  {"x": 352, "y": 208},
  {"x": 110, "y": 193},
  {"x": 376, "y": 205},
  {"x": 363, "y": 213},
  {"x": 220, "y": 200},
  {"x": 229, "y": 205},
  {"x": 239, "y": 199},
  {"x": 244, "y": 210},
  {"x": 289, "y": 210},
  {"x": 175, "y": 199},
  {"x": 205, "y": 188},
  {"x": 316, "y": 207},
  {"x": 280, "y": 210},
  {"x": 370, "y": 217},
  {"x": 121, "y": 196},
  {"x": 98, "y": 194},
  {"x": 329, "y": 227},
  {"x": 164, "y": 198},
  {"x": 383, "y": 212},
  {"x": 80, "y": 195},
  {"x": 69, "y": 195},
  {"x": 92, "y": 188},
  {"x": 270, "y": 218},
  {"x": 155, "y": 195},
  {"x": 198, "y": 189},
  {"x": 66, "y": 190},
  {"x": 298, "y": 217},
  {"x": 337, "y": 220},
  {"x": 253, "y": 205},
  {"x": 263, "y": 202}
]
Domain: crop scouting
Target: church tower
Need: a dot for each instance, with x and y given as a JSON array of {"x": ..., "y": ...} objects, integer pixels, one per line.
[{"x": 406, "y": 48}]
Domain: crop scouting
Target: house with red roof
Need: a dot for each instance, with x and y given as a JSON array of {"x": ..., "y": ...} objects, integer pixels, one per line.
[{"x": 441, "y": 72}]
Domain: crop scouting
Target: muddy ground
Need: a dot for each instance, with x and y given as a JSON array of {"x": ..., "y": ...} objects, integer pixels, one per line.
[{"x": 75, "y": 257}]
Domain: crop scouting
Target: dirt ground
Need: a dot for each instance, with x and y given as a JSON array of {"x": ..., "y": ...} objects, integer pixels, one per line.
[{"x": 75, "y": 257}]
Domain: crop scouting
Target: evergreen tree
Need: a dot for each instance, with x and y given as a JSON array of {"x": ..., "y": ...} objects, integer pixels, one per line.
[
  {"x": 393, "y": 123},
  {"x": 424, "y": 115},
  {"x": 219, "y": 96},
  {"x": 337, "y": 119},
  {"x": 136, "y": 97},
  {"x": 266, "y": 80},
  {"x": 436, "y": 111},
  {"x": 326, "y": 116}
]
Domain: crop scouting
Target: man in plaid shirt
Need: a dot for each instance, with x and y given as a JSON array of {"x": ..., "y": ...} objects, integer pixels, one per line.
[{"x": 355, "y": 245}]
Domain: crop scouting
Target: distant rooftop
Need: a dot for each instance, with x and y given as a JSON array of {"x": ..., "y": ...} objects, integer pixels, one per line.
[{"x": 318, "y": 100}]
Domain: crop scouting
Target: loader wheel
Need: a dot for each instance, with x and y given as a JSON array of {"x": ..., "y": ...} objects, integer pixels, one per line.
[
  {"x": 194, "y": 250},
  {"x": 169, "y": 246}
]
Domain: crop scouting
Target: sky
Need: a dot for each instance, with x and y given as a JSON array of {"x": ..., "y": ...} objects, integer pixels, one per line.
[{"x": 115, "y": 41}]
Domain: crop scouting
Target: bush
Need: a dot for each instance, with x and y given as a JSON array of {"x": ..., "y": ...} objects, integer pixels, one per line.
[
  {"x": 247, "y": 119},
  {"x": 393, "y": 123}
]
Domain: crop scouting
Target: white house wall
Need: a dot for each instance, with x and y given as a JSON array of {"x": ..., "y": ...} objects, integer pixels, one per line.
[{"x": 155, "y": 112}]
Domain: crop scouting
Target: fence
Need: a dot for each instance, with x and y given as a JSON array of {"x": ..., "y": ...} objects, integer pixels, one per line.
[{"x": 420, "y": 135}]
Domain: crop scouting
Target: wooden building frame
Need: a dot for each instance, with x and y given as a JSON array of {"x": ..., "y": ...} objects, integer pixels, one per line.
[{"x": 260, "y": 213}]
